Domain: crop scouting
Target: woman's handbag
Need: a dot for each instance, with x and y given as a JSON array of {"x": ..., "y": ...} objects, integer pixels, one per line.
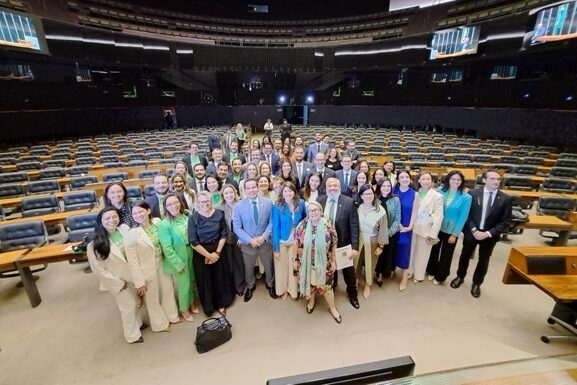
[{"x": 212, "y": 333}]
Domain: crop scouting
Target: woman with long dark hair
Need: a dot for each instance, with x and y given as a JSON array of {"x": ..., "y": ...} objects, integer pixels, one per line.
[
  {"x": 392, "y": 206},
  {"x": 457, "y": 204},
  {"x": 173, "y": 238},
  {"x": 107, "y": 257},
  {"x": 144, "y": 251},
  {"x": 310, "y": 192},
  {"x": 115, "y": 194}
]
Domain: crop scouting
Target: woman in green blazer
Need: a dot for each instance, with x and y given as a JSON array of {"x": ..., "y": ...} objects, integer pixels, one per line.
[{"x": 173, "y": 237}]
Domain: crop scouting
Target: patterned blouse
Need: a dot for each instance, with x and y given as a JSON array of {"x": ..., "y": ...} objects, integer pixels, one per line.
[{"x": 152, "y": 232}]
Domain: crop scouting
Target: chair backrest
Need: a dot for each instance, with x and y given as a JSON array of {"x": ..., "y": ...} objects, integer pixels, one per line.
[
  {"x": 134, "y": 192},
  {"x": 155, "y": 155},
  {"x": 563, "y": 172},
  {"x": 79, "y": 170},
  {"x": 149, "y": 190},
  {"x": 115, "y": 177},
  {"x": 148, "y": 174},
  {"x": 109, "y": 159},
  {"x": 510, "y": 159},
  {"x": 113, "y": 165},
  {"x": 33, "y": 206},
  {"x": 558, "y": 206},
  {"x": 11, "y": 190},
  {"x": 558, "y": 185},
  {"x": 64, "y": 155},
  {"x": 81, "y": 225},
  {"x": 86, "y": 160},
  {"x": 28, "y": 166},
  {"x": 518, "y": 182},
  {"x": 526, "y": 170},
  {"x": 22, "y": 235},
  {"x": 52, "y": 173},
  {"x": 55, "y": 163},
  {"x": 506, "y": 167},
  {"x": 11, "y": 177},
  {"x": 566, "y": 162},
  {"x": 483, "y": 158},
  {"x": 79, "y": 182},
  {"x": 136, "y": 156},
  {"x": 7, "y": 161},
  {"x": 79, "y": 200},
  {"x": 43, "y": 186},
  {"x": 137, "y": 163},
  {"x": 29, "y": 158}
]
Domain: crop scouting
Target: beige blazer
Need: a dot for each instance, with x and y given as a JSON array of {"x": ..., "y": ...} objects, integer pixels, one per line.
[
  {"x": 141, "y": 256},
  {"x": 430, "y": 215},
  {"x": 114, "y": 271}
]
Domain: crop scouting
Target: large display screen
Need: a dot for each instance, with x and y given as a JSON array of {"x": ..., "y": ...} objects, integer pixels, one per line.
[
  {"x": 21, "y": 32},
  {"x": 454, "y": 42},
  {"x": 554, "y": 23}
]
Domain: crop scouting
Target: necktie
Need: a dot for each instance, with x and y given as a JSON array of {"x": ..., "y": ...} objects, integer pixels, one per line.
[
  {"x": 268, "y": 160},
  {"x": 300, "y": 171},
  {"x": 199, "y": 186},
  {"x": 346, "y": 180},
  {"x": 318, "y": 147},
  {"x": 490, "y": 201},
  {"x": 332, "y": 210},
  {"x": 254, "y": 212}
]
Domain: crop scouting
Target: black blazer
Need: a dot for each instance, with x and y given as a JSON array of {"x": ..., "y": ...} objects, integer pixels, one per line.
[
  {"x": 152, "y": 201},
  {"x": 499, "y": 214},
  {"x": 346, "y": 221},
  {"x": 190, "y": 167}
]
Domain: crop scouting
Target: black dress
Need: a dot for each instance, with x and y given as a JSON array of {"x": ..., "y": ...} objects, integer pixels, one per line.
[{"x": 214, "y": 281}]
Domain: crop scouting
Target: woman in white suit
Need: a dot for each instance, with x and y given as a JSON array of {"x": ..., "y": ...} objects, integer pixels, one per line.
[
  {"x": 427, "y": 226},
  {"x": 107, "y": 258},
  {"x": 144, "y": 255}
]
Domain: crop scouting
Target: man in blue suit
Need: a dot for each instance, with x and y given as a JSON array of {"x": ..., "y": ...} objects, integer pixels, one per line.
[
  {"x": 270, "y": 157},
  {"x": 253, "y": 227},
  {"x": 346, "y": 175},
  {"x": 316, "y": 147}
]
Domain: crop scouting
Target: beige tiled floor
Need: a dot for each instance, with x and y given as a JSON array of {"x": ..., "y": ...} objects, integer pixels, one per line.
[{"x": 75, "y": 335}]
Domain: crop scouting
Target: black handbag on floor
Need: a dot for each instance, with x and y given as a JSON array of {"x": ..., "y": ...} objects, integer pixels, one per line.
[{"x": 212, "y": 333}]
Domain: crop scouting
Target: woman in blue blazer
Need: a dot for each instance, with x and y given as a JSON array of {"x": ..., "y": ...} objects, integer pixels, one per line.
[
  {"x": 456, "y": 203},
  {"x": 286, "y": 215}
]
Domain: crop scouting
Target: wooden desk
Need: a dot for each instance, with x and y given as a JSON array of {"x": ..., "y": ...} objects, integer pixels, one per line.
[
  {"x": 8, "y": 259},
  {"x": 559, "y": 287},
  {"x": 39, "y": 256},
  {"x": 550, "y": 222},
  {"x": 51, "y": 219},
  {"x": 532, "y": 195},
  {"x": 16, "y": 201}
]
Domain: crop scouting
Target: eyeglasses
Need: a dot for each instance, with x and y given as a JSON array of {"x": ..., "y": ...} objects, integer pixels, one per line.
[
  {"x": 203, "y": 202},
  {"x": 314, "y": 210}
]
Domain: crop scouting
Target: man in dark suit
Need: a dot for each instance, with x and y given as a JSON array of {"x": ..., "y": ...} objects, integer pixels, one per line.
[
  {"x": 346, "y": 175},
  {"x": 223, "y": 175},
  {"x": 341, "y": 211},
  {"x": 269, "y": 157},
  {"x": 194, "y": 158},
  {"x": 233, "y": 154},
  {"x": 199, "y": 179},
  {"x": 301, "y": 167},
  {"x": 212, "y": 167},
  {"x": 156, "y": 200},
  {"x": 488, "y": 216},
  {"x": 319, "y": 166}
]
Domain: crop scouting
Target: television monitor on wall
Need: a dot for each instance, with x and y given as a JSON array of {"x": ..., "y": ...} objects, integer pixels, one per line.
[
  {"x": 21, "y": 32},
  {"x": 553, "y": 23},
  {"x": 454, "y": 42}
]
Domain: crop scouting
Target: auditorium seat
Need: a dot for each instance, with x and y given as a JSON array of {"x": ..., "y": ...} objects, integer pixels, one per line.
[
  {"x": 10, "y": 154},
  {"x": 43, "y": 186},
  {"x": 461, "y": 157},
  {"x": 134, "y": 193},
  {"x": 518, "y": 183},
  {"x": 28, "y": 166},
  {"x": 79, "y": 170},
  {"x": 52, "y": 173},
  {"x": 167, "y": 161},
  {"x": 9, "y": 190},
  {"x": 61, "y": 155},
  {"x": 540, "y": 154},
  {"x": 79, "y": 182},
  {"x": 86, "y": 160},
  {"x": 22, "y": 235},
  {"x": 136, "y": 156},
  {"x": 109, "y": 159},
  {"x": 563, "y": 172},
  {"x": 34, "y": 206},
  {"x": 7, "y": 161},
  {"x": 113, "y": 165},
  {"x": 566, "y": 162},
  {"x": 559, "y": 185},
  {"x": 483, "y": 158},
  {"x": 532, "y": 160},
  {"x": 568, "y": 155},
  {"x": 79, "y": 200},
  {"x": 29, "y": 158},
  {"x": 525, "y": 170},
  {"x": 80, "y": 226},
  {"x": 107, "y": 152},
  {"x": 506, "y": 167},
  {"x": 436, "y": 156},
  {"x": 510, "y": 159},
  {"x": 11, "y": 177},
  {"x": 149, "y": 190},
  {"x": 155, "y": 155},
  {"x": 54, "y": 163},
  {"x": 137, "y": 163},
  {"x": 148, "y": 174},
  {"x": 557, "y": 206},
  {"x": 115, "y": 177}
]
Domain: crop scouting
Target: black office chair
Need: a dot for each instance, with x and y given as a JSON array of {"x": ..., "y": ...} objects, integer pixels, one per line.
[
  {"x": 563, "y": 172},
  {"x": 20, "y": 236},
  {"x": 109, "y": 159},
  {"x": 79, "y": 200},
  {"x": 557, "y": 206},
  {"x": 79, "y": 182},
  {"x": 80, "y": 226},
  {"x": 90, "y": 160},
  {"x": 79, "y": 170},
  {"x": 115, "y": 177},
  {"x": 137, "y": 163},
  {"x": 524, "y": 183},
  {"x": 136, "y": 156},
  {"x": 34, "y": 206},
  {"x": 149, "y": 190},
  {"x": 13, "y": 177},
  {"x": 148, "y": 174},
  {"x": 52, "y": 172},
  {"x": 525, "y": 170},
  {"x": 8, "y": 190},
  {"x": 559, "y": 185},
  {"x": 43, "y": 186}
]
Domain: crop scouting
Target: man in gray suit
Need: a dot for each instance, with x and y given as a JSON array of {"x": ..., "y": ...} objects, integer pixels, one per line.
[
  {"x": 316, "y": 147},
  {"x": 253, "y": 227},
  {"x": 346, "y": 175}
]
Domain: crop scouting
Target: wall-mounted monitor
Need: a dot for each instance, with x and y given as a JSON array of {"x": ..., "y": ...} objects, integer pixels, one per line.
[
  {"x": 504, "y": 72},
  {"x": 454, "y": 42},
  {"x": 553, "y": 23},
  {"x": 21, "y": 32}
]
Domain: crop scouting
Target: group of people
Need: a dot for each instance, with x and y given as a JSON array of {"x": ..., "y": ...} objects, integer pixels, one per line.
[{"x": 297, "y": 215}]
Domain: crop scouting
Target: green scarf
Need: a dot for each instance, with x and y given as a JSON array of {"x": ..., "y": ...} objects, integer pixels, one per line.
[{"x": 320, "y": 248}]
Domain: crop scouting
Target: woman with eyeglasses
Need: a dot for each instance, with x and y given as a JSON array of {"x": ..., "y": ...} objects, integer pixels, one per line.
[
  {"x": 373, "y": 235},
  {"x": 143, "y": 250},
  {"x": 456, "y": 203},
  {"x": 173, "y": 238},
  {"x": 107, "y": 257},
  {"x": 392, "y": 206},
  {"x": 207, "y": 233},
  {"x": 315, "y": 263}
]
